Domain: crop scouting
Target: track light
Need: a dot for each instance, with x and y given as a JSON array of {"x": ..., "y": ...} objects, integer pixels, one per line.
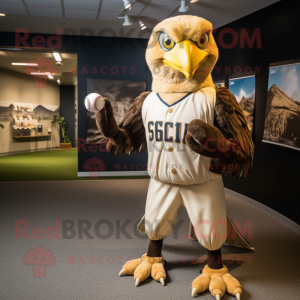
[
  {"x": 127, "y": 4},
  {"x": 127, "y": 21},
  {"x": 143, "y": 26},
  {"x": 183, "y": 7}
]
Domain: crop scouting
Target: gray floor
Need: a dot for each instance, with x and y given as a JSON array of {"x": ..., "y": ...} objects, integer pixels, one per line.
[{"x": 273, "y": 272}]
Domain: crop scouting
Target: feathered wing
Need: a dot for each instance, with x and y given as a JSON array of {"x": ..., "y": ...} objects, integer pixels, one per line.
[
  {"x": 132, "y": 123},
  {"x": 231, "y": 121}
]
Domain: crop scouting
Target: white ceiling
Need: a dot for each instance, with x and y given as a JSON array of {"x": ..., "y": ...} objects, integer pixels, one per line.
[
  {"x": 45, "y": 16},
  {"x": 63, "y": 72}
]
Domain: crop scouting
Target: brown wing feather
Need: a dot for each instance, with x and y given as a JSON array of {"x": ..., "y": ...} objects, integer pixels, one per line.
[
  {"x": 132, "y": 122},
  {"x": 231, "y": 121}
]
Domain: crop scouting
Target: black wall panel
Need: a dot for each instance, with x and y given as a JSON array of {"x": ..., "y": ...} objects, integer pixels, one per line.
[
  {"x": 67, "y": 110},
  {"x": 274, "y": 179}
]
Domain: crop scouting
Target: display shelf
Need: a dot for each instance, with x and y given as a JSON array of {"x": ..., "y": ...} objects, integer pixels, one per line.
[{"x": 31, "y": 136}]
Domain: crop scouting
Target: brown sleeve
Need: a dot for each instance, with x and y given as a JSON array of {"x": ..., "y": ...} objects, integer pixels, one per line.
[{"x": 132, "y": 123}]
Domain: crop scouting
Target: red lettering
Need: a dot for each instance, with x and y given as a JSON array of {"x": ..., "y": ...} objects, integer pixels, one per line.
[
  {"x": 21, "y": 40},
  {"x": 21, "y": 230},
  {"x": 234, "y": 36},
  {"x": 81, "y": 145},
  {"x": 94, "y": 70},
  {"x": 101, "y": 70},
  {"x": 112, "y": 72},
  {"x": 75, "y": 71},
  {"x": 37, "y": 233},
  {"x": 257, "y": 69},
  {"x": 93, "y": 147},
  {"x": 218, "y": 69},
  {"x": 38, "y": 42},
  {"x": 55, "y": 229},
  {"x": 132, "y": 70},
  {"x": 81, "y": 261},
  {"x": 84, "y": 71},
  {"x": 250, "y": 41},
  {"x": 243, "y": 231}
]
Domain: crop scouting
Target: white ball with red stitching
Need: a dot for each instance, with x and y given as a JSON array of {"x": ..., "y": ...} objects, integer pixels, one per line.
[{"x": 94, "y": 102}]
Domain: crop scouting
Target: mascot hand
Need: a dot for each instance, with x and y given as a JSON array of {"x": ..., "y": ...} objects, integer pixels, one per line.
[
  {"x": 119, "y": 144},
  {"x": 207, "y": 140},
  {"x": 118, "y": 140}
]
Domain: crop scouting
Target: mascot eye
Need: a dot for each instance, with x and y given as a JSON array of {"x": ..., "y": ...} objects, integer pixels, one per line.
[
  {"x": 203, "y": 41},
  {"x": 165, "y": 42}
]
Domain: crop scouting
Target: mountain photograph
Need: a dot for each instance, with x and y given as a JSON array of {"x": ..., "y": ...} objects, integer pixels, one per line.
[
  {"x": 120, "y": 93},
  {"x": 7, "y": 112},
  {"x": 282, "y": 119},
  {"x": 244, "y": 91},
  {"x": 44, "y": 113}
]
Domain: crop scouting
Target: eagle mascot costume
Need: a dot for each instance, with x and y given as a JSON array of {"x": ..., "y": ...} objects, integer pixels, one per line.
[{"x": 195, "y": 134}]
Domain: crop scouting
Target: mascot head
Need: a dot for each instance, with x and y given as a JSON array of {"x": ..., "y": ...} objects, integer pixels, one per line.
[{"x": 181, "y": 54}]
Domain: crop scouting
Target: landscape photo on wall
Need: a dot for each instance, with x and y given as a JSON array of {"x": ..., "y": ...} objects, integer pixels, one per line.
[
  {"x": 282, "y": 117},
  {"x": 120, "y": 93},
  {"x": 244, "y": 91},
  {"x": 37, "y": 111},
  {"x": 219, "y": 84}
]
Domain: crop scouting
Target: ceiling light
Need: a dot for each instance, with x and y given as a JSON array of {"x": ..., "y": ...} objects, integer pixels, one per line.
[
  {"x": 43, "y": 74},
  {"x": 24, "y": 64},
  {"x": 183, "y": 6},
  {"x": 127, "y": 4},
  {"x": 127, "y": 21},
  {"x": 143, "y": 26},
  {"x": 58, "y": 81},
  {"x": 56, "y": 56},
  {"x": 193, "y": 1},
  {"x": 49, "y": 75},
  {"x": 2, "y": 15}
]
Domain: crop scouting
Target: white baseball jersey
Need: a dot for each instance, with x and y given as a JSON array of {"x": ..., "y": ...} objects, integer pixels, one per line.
[{"x": 170, "y": 160}]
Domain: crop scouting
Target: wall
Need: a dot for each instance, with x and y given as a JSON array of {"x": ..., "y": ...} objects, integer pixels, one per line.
[
  {"x": 17, "y": 87},
  {"x": 107, "y": 58},
  {"x": 67, "y": 110},
  {"x": 274, "y": 179}
]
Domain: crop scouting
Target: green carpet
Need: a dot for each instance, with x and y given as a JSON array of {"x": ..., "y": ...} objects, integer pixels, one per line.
[{"x": 44, "y": 165}]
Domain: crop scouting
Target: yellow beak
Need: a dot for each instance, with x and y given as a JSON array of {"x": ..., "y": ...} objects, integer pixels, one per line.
[{"x": 185, "y": 57}]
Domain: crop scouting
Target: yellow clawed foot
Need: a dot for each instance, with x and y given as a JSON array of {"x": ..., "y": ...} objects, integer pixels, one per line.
[
  {"x": 143, "y": 267},
  {"x": 218, "y": 282}
]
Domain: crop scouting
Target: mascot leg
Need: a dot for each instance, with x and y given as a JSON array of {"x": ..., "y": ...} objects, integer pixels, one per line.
[
  {"x": 150, "y": 263},
  {"x": 205, "y": 204},
  {"x": 162, "y": 205}
]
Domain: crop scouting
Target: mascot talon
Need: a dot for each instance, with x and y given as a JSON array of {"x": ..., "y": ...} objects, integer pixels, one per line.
[
  {"x": 143, "y": 267},
  {"x": 218, "y": 281}
]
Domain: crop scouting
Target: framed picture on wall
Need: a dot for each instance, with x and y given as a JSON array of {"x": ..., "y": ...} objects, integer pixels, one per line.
[
  {"x": 243, "y": 89},
  {"x": 219, "y": 83},
  {"x": 120, "y": 93},
  {"x": 282, "y": 117}
]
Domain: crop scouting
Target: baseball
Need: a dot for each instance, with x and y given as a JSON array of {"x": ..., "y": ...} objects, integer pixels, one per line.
[{"x": 94, "y": 102}]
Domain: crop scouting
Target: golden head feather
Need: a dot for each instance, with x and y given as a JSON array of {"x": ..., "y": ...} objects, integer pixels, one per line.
[{"x": 181, "y": 54}]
